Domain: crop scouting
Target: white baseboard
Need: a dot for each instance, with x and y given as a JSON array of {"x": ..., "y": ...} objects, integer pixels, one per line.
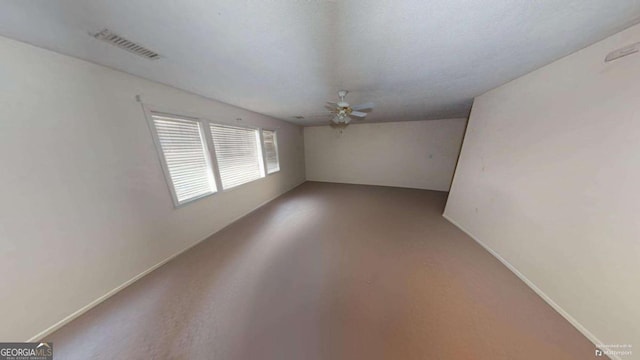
[
  {"x": 533, "y": 287},
  {"x": 109, "y": 294},
  {"x": 375, "y": 184}
]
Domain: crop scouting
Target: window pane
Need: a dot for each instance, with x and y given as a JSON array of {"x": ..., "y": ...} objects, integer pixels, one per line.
[
  {"x": 238, "y": 153},
  {"x": 186, "y": 157},
  {"x": 271, "y": 150}
]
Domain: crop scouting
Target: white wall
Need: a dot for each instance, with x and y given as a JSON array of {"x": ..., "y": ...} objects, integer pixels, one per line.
[
  {"x": 414, "y": 154},
  {"x": 85, "y": 206},
  {"x": 549, "y": 178}
]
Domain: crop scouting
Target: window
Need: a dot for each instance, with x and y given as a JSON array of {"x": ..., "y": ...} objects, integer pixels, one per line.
[
  {"x": 199, "y": 157},
  {"x": 239, "y": 154},
  {"x": 186, "y": 158},
  {"x": 271, "y": 150}
]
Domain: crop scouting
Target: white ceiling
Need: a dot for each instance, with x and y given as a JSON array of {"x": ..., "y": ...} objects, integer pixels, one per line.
[{"x": 415, "y": 59}]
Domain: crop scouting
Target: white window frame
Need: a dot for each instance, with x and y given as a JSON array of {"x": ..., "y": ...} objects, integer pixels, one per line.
[
  {"x": 149, "y": 111},
  {"x": 209, "y": 154},
  {"x": 266, "y": 168}
]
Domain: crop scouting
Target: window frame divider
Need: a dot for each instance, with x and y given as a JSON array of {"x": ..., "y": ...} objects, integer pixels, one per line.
[
  {"x": 212, "y": 154},
  {"x": 266, "y": 167},
  {"x": 265, "y": 170}
]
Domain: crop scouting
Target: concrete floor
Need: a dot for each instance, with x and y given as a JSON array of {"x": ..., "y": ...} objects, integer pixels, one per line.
[{"x": 329, "y": 271}]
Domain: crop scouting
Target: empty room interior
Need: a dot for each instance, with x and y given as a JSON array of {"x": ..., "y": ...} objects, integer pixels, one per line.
[{"x": 319, "y": 179}]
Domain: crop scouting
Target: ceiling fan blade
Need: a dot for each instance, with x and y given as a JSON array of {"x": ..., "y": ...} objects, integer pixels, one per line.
[
  {"x": 365, "y": 106},
  {"x": 331, "y": 103},
  {"x": 358, "y": 114}
]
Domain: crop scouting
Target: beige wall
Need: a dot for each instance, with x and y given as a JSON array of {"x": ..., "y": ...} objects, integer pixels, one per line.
[
  {"x": 549, "y": 178},
  {"x": 414, "y": 154},
  {"x": 85, "y": 206}
]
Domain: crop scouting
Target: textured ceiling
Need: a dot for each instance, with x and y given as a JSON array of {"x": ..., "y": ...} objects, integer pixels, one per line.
[{"x": 415, "y": 59}]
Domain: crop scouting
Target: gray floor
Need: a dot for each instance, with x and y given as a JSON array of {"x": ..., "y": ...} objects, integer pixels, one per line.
[{"x": 329, "y": 271}]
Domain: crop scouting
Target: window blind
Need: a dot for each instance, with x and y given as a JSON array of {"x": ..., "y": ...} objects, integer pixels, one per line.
[
  {"x": 186, "y": 157},
  {"x": 271, "y": 150},
  {"x": 239, "y": 154}
]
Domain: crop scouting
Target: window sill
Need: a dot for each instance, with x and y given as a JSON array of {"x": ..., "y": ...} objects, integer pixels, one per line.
[{"x": 177, "y": 205}]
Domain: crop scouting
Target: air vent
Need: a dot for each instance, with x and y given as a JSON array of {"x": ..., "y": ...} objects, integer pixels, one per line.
[
  {"x": 130, "y": 46},
  {"x": 622, "y": 52}
]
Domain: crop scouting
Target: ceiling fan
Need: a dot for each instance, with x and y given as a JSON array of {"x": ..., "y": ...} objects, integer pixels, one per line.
[{"x": 342, "y": 112}]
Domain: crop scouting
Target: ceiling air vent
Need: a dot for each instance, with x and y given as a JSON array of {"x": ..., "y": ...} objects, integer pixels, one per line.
[{"x": 130, "y": 46}]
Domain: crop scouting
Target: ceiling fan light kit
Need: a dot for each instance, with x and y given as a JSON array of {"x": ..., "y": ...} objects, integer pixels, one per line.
[{"x": 342, "y": 112}]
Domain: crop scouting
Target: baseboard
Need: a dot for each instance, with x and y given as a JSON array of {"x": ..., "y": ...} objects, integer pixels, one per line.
[
  {"x": 533, "y": 287},
  {"x": 109, "y": 294},
  {"x": 374, "y": 184}
]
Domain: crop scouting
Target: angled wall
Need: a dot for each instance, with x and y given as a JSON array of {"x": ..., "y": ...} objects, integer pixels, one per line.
[{"x": 548, "y": 180}]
